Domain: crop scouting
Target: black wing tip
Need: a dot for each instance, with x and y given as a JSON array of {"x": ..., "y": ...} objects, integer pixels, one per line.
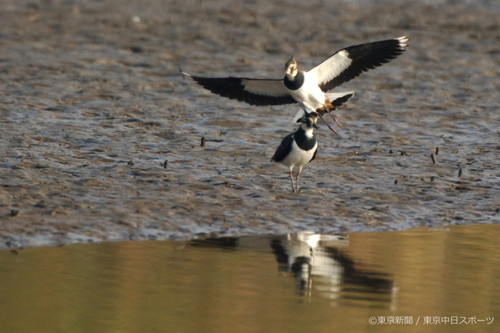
[
  {"x": 399, "y": 45},
  {"x": 184, "y": 74},
  {"x": 375, "y": 54},
  {"x": 387, "y": 50},
  {"x": 201, "y": 80},
  {"x": 397, "y": 49}
]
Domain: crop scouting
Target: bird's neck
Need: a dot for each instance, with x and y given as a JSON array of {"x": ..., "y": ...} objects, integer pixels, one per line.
[{"x": 294, "y": 82}]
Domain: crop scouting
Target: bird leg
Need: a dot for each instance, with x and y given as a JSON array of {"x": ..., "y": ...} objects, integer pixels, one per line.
[
  {"x": 330, "y": 127},
  {"x": 291, "y": 180},
  {"x": 297, "y": 182},
  {"x": 320, "y": 113},
  {"x": 339, "y": 124},
  {"x": 329, "y": 108}
]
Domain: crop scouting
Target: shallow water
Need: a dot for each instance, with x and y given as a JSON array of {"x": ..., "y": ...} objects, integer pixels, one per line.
[
  {"x": 292, "y": 283},
  {"x": 100, "y": 134}
]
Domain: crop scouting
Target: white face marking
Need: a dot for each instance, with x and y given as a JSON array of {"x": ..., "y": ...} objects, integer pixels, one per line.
[
  {"x": 291, "y": 68},
  {"x": 307, "y": 126},
  {"x": 309, "y": 132}
]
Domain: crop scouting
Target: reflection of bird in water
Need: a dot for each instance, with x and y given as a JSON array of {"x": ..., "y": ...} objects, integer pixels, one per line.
[
  {"x": 302, "y": 255},
  {"x": 319, "y": 258},
  {"x": 308, "y": 255}
]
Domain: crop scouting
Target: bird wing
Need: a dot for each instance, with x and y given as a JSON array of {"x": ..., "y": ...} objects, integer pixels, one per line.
[
  {"x": 284, "y": 148},
  {"x": 346, "y": 64},
  {"x": 314, "y": 155},
  {"x": 251, "y": 91}
]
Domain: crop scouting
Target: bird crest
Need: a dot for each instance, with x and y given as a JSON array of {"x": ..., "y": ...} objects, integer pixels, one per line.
[{"x": 291, "y": 61}]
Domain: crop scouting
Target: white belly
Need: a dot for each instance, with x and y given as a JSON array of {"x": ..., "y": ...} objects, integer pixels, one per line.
[
  {"x": 298, "y": 158},
  {"x": 309, "y": 95}
]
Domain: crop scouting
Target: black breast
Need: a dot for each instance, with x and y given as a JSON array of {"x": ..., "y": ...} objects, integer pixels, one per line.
[
  {"x": 296, "y": 83},
  {"x": 303, "y": 141}
]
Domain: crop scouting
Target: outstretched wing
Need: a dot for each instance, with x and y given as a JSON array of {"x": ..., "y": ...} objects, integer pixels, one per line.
[
  {"x": 251, "y": 91},
  {"x": 346, "y": 64}
]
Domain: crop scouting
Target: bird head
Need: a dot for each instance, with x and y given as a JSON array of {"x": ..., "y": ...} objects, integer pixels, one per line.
[{"x": 309, "y": 120}]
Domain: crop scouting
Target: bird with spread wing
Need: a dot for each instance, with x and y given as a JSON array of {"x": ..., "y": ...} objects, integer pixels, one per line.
[{"x": 309, "y": 88}]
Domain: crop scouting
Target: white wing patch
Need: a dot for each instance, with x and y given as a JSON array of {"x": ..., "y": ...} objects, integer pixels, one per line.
[
  {"x": 274, "y": 88},
  {"x": 334, "y": 95},
  {"x": 332, "y": 67}
]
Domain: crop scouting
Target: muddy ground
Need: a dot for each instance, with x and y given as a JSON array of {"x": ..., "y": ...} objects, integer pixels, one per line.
[{"x": 100, "y": 134}]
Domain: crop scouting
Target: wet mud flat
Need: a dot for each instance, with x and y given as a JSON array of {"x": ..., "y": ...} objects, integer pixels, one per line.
[{"x": 101, "y": 135}]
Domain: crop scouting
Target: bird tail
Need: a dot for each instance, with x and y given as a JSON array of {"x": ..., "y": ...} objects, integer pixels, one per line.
[{"x": 337, "y": 99}]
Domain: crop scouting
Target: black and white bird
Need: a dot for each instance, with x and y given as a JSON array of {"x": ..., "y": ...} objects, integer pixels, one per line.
[
  {"x": 309, "y": 88},
  {"x": 298, "y": 148}
]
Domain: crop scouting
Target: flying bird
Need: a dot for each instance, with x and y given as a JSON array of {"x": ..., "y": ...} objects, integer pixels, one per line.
[{"x": 309, "y": 88}]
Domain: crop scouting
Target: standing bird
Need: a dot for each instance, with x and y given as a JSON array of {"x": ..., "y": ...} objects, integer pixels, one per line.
[
  {"x": 298, "y": 148},
  {"x": 309, "y": 88}
]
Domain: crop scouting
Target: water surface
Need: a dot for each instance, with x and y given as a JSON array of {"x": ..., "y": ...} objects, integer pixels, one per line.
[{"x": 302, "y": 282}]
